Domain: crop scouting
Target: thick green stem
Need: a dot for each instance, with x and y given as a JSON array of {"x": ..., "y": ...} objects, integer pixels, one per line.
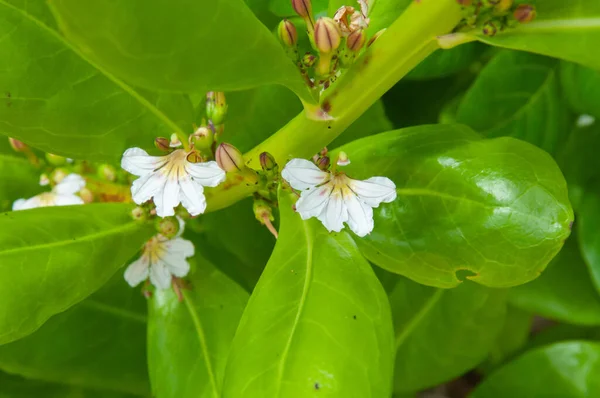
[{"x": 407, "y": 42}]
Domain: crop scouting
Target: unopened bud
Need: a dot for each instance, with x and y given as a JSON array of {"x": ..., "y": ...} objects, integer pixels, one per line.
[
  {"x": 175, "y": 142},
  {"x": 229, "y": 158},
  {"x": 168, "y": 226},
  {"x": 58, "y": 175},
  {"x": 327, "y": 35},
  {"x": 303, "y": 8},
  {"x": 308, "y": 60},
  {"x": 86, "y": 195},
  {"x": 343, "y": 159},
  {"x": 324, "y": 151},
  {"x": 267, "y": 161},
  {"x": 17, "y": 145},
  {"x": 203, "y": 137},
  {"x": 216, "y": 106},
  {"x": 262, "y": 211},
  {"x": 525, "y": 13},
  {"x": 107, "y": 172},
  {"x": 44, "y": 180},
  {"x": 162, "y": 144},
  {"x": 503, "y": 6},
  {"x": 356, "y": 40},
  {"x": 489, "y": 29},
  {"x": 55, "y": 160},
  {"x": 324, "y": 163},
  {"x": 287, "y": 33}
]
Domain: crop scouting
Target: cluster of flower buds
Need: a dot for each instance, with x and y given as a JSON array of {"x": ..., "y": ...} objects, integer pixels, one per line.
[
  {"x": 322, "y": 160},
  {"x": 494, "y": 16}
]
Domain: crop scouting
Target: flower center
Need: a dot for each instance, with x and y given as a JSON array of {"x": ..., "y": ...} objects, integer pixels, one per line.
[
  {"x": 47, "y": 199},
  {"x": 340, "y": 188},
  {"x": 154, "y": 249},
  {"x": 174, "y": 165}
]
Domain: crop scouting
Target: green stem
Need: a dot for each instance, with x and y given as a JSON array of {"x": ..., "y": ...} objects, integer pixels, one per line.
[{"x": 407, "y": 42}]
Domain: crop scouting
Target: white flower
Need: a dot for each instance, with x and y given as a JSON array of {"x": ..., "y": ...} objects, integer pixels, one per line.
[
  {"x": 63, "y": 194},
  {"x": 335, "y": 199},
  {"x": 161, "y": 259},
  {"x": 170, "y": 180},
  {"x": 350, "y": 20}
]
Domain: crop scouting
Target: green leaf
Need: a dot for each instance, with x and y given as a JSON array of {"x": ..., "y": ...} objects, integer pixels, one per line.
[
  {"x": 18, "y": 179},
  {"x": 63, "y": 103},
  {"x": 52, "y": 258},
  {"x": 563, "y": 29},
  {"x": 495, "y": 207},
  {"x": 188, "y": 341},
  {"x": 444, "y": 63},
  {"x": 442, "y": 333},
  {"x": 563, "y": 332},
  {"x": 566, "y": 370},
  {"x": 318, "y": 321},
  {"x": 564, "y": 292},
  {"x": 18, "y": 387},
  {"x": 581, "y": 87},
  {"x": 517, "y": 94},
  {"x": 216, "y": 45},
  {"x": 283, "y": 8},
  {"x": 98, "y": 344},
  {"x": 512, "y": 337},
  {"x": 587, "y": 228}
]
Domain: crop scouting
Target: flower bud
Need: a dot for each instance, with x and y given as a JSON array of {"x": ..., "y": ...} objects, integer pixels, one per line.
[
  {"x": 86, "y": 195},
  {"x": 162, "y": 144},
  {"x": 323, "y": 163},
  {"x": 343, "y": 159},
  {"x": 175, "y": 142},
  {"x": 107, "y": 172},
  {"x": 287, "y": 33},
  {"x": 327, "y": 35},
  {"x": 262, "y": 211},
  {"x": 267, "y": 161},
  {"x": 58, "y": 175},
  {"x": 308, "y": 60},
  {"x": 229, "y": 158},
  {"x": 356, "y": 40},
  {"x": 489, "y": 29},
  {"x": 17, "y": 145},
  {"x": 503, "y": 6},
  {"x": 167, "y": 227},
  {"x": 44, "y": 180},
  {"x": 303, "y": 8},
  {"x": 525, "y": 13},
  {"x": 55, "y": 160},
  {"x": 216, "y": 106},
  {"x": 203, "y": 137}
]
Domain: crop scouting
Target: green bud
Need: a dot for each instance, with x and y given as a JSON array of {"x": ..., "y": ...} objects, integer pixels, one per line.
[
  {"x": 324, "y": 163},
  {"x": 203, "y": 137},
  {"x": 287, "y": 33},
  {"x": 216, "y": 106},
  {"x": 267, "y": 162},
  {"x": 162, "y": 144},
  {"x": 503, "y": 6},
  {"x": 229, "y": 158},
  {"x": 107, "y": 172},
  {"x": 168, "y": 226},
  {"x": 58, "y": 175},
  {"x": 55, "y": 160},
  {"x": 17, "y": 145},
  {"x": 308, "y": 60},
  {"x": 262, "y": 211},
  {"x": 525, "y": 13},
  {"x": 328, "y": 35},
  {"x": 489, "y": 29},
  {"x": 86, "y": 195},
  {"x": 356, "y": 40}
]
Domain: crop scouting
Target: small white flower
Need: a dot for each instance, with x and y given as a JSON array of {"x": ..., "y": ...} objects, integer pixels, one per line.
[
  {"x": 63, "y": 194},
  {"x": 585, "y": 120},
  {"x": 161, "y": 259},
  {"x": 335, "y": 199},
  {"x": 170, "y": 180}
]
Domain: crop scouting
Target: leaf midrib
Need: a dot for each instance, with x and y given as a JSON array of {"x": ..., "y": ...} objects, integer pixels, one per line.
[{"x": 143, "y": 101}]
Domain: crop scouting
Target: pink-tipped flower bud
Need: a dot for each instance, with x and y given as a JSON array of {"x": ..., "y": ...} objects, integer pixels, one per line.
[
  {"x": 525, "y": 13},
  {"x": 168, "y": 226},
  {"x": 303, "y": 8},
  {"x": 162, "y": 144},
  {"x": 308, "y": 60},
  {"x": 267, "y": 162},
  {"x": 324, "y": 163},
  {"x": 328, "y": 35},
  {"x": 287, "y": 33},
  {"x": 229, "y": 158},
  {"x": 343, "y": 159},
  {"x": 356, "y": 40},
  {"x": 17, "y": 145},
  {"x": 216, "y": 106}
]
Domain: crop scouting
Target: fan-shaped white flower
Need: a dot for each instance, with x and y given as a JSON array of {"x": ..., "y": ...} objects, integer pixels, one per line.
[
  {"x": 335, "y": 199},
  {"x": 63, "y": 194},
  {"x": 171, "y": 180},
  {"x": 162, "y": 258}
]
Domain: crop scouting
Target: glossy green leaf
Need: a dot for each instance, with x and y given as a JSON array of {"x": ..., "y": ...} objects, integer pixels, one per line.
[
  {"x": 18, "y": 387},
  {"x": 99, "y": 343},
  {"x": 564, "y": 332},
  {"x": 52, "y": 258},
  {"x": 283, "y": 8},
  {"x": 318, "y": 321},
  {"x": 517, "y": 94},
  {"x": 566, "y": 370},
  {"x": 563, "y": 29},
  {"x": 442, "y": 333},
  {"x": 191, "y": 46},
  {"x": 589, "y": 235},
  {"x": 495, "y": 207},
  {"x": 581, "y": 87},
  {"x": 62, "y": 103},
  {"x": 446, "y": 62},
  {"x": 18, "y": 179},
  {"x": 188, "y": 341},
  {"x": 382, "y": 12},
  {"x": 512, "y": 337},
  {"x": 563, "y": 292}
]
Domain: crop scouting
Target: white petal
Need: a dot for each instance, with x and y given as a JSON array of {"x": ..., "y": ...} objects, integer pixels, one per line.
[
  {"x": 67, "y": 200},
  {"x": 303, "y": 174},
  {"x": 181, "y": 226},
  {"x": 144, "y": 188},
  {"x": 167, "y": 199},
  {"x": 19, "y": 204},
  {"x": 137, "y": 272},
  {"x": 31, "y": 203},
  {"x": 312, "y": 202},
  {"x": 179, "y": 247},
  {"x": 375, "y": 190},
  {"x": 160, "y": 275},
  {"x": 334, "y": 214},
  {"x": 137, "y": 162},
  {"x": 192, "y": 196},
  {"x": 69, "y": 185},
  {"x": 360, "y": 215},
  {"x": 175, "y": 259},
  {"x": 207, "y": 174}
]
